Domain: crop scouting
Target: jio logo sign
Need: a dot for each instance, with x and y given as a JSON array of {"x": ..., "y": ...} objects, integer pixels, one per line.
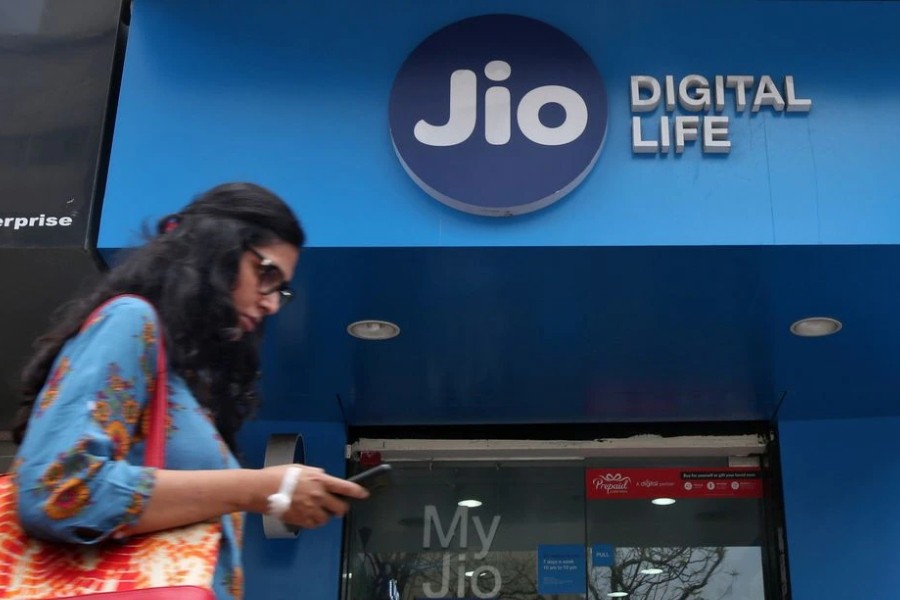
[{"x": 498, "y": 115}]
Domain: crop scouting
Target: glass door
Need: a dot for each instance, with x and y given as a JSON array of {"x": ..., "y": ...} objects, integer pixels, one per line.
[{"x": 646, "y": 529}]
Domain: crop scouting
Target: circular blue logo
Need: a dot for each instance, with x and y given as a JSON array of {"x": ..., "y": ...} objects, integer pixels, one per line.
[{"x": 498, "y": 115}]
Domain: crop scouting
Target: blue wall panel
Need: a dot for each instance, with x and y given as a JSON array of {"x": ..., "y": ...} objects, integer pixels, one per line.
[
  {"x": 308, "y": 566},
  {"x": 294, "y": 95},
  {"x": 840, "y": 489}
]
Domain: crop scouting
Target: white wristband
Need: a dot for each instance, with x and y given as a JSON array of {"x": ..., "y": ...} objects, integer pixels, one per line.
[{"x": 279, "y": 503}]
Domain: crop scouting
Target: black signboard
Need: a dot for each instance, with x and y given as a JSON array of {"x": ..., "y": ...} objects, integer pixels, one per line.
[
  {"x": 57, "y": 74},
  {"x": 60, "y": 62}
]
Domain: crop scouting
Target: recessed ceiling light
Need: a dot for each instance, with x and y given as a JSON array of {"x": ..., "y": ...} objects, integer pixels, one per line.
[
  {"x": 816, "y": 326},
  {"x": 663, "y": 501},
  {"x": 651, "y": 571},
  {"x": 371, "y": 329},
  {"x": 469, "y": 573},
  {"x": 469, "y": 504},
  {"x": 617, "y": 594}
]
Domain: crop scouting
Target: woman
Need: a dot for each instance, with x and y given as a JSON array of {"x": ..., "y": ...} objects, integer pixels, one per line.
[{"x": 213, "y": 273}]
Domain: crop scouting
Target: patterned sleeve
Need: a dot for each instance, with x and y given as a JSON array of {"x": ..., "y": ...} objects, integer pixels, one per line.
[{"x": 74, "y": 479}]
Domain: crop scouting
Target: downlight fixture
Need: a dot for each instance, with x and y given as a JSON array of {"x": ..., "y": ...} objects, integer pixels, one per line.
[
  {"x": 816, "y": 327},
  {"x": 371, "y": 329}
]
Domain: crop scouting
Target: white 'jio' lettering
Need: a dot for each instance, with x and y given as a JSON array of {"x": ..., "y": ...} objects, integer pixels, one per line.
[{"x": 463, "y": 111}]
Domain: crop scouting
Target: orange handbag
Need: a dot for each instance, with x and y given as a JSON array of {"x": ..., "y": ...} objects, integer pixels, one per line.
[{"x": 176, "y": 564}]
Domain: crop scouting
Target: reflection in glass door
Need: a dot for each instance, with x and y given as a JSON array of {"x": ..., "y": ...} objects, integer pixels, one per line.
[
  {"x": 567, "y": 530},
  {"x": 674, "y": 532}
]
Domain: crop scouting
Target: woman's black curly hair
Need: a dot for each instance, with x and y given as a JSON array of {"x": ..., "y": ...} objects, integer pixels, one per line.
[{"x": 187, "y": 271}]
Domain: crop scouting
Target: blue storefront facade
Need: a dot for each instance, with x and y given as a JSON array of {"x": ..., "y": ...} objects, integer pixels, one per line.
[{"x": 642, "y": 199}]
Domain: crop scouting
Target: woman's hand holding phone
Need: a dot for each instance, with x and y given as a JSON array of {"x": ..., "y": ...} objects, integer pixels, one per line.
[{"x": 317, "y": 496}]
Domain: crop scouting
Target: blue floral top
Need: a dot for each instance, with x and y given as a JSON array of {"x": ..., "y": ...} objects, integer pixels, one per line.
[{"x": 79, "y": 469}]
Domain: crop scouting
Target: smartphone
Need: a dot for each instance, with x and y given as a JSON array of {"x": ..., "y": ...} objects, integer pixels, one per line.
[{"x": 373, "y": 479}]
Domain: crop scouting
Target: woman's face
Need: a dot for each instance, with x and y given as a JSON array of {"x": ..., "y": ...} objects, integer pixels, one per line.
[{"x": 263, "y": 271}]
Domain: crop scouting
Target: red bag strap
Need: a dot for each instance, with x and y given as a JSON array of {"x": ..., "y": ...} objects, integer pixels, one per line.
[{"x": 155, "y": 449}]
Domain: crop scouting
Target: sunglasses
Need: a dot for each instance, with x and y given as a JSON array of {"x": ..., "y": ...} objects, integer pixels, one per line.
[{"x": 271, "y": 278}]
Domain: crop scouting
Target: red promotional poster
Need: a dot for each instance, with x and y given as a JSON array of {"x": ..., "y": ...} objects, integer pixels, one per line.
[{"x": 634, "y": 484}]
